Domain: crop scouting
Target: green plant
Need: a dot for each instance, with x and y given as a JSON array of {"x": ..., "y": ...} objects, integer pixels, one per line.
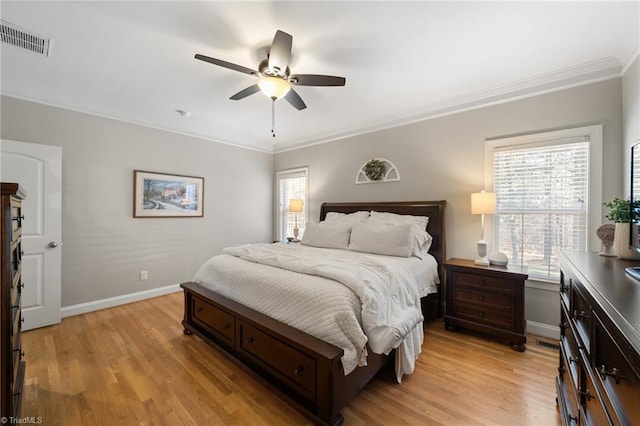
[
  {"x": 620, "y": 210},
  {"x": 374, "y": 169}
]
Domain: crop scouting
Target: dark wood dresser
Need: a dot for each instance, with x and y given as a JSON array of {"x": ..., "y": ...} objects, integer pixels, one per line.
[
  {"x": 488, "y": 299},
  {"x": 11, "y": 362},
  {"x": 598, "y": 379}
]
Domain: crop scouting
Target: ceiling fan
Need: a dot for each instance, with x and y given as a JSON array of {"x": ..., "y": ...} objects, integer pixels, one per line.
[{"x": 275, "y": 78}]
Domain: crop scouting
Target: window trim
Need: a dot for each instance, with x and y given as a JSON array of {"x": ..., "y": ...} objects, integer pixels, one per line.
[
  {"x": 594, "y": 133},
  {"x": 276, "y": 201}
]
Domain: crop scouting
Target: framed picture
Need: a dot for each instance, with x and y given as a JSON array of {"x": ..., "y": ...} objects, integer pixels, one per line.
[{"x": 165, "y": 195}]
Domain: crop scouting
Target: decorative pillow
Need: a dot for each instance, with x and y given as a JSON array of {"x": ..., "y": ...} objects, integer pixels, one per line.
[
  {"x": 335, "y": 218},
  {"x": 326, "y": 236},
  {"x": 397, "y": 219},
  {"x": 420, "y": 241},
  {"x": 387, "y": 239}
]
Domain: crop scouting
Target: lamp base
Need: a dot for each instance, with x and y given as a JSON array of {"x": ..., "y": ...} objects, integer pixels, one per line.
[{"x": 482, "y": 259}]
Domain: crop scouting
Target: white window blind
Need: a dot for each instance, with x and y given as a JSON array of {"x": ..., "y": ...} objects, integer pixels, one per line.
[
  {"x": 292, "y": 185},
  {"x": 542, "y": 192}
]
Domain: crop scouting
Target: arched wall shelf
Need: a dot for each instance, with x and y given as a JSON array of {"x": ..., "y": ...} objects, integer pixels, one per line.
[{"x": 391, "y": 173}]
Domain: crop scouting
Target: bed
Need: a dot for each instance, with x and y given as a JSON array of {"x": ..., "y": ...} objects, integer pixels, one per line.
[{"x": 306, "y": 369}]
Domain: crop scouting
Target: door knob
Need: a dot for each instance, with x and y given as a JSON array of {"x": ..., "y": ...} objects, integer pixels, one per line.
[{"x": 54, "y": 244}]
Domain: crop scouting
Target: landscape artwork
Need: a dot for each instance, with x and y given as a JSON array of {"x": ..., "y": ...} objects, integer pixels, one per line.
[{"x": 167, "y": 195}]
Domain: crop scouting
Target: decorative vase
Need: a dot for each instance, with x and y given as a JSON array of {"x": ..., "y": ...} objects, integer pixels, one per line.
[
  {"x": 621, "y": 241},
  {"x": 606, "y": 234}
]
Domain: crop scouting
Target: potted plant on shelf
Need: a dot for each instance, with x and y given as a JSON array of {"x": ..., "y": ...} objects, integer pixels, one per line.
[{"x": 620, "y": 214}]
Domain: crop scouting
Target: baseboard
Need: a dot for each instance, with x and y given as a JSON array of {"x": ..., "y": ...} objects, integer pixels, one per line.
[
  {"x": 543, "y": 330},
  {"x": 110, "y": 302}
]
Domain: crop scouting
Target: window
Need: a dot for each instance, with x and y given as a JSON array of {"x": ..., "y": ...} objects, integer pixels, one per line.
[
  {"x": 291, "y": 185},
  {"x": 547, "y": 186}
]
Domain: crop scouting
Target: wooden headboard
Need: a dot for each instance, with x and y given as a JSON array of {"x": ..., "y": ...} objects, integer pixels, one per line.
[{"x": 433, "y": 209}]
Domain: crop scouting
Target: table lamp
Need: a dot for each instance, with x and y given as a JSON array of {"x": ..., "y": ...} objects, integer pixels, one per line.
[
  {"x": 295, "y": 206},
  {"x": 483, "y": 203}
]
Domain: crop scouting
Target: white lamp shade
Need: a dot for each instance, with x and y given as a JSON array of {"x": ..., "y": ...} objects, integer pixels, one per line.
[
  {"x": 483, "y": 203},
  {"x": 295, "y": 206},
  {"x": 274, "y": 87}
]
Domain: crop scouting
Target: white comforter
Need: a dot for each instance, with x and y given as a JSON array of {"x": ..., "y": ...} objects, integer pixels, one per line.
[{"x": 345, "y": 298}]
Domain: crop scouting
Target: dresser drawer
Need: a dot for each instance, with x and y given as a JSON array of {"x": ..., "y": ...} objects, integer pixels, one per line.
[
  {"x": 215, "y": 320},
  {"x": 484, "y": 283},
  {"x": 616, "y": 376},
  {"x": 567, "y": 389},
  {"x": 295, "y": 367},
  {"x": 565, "y": 290},
  {"x": 570, "y": 348},
  {"x": 16, "y": 219},
  {"x": 484, "y": 299},
  {"x": 594, "y": 411},
  {"x": 483, "y": 315},
  {"x": 580, "y": 313}
]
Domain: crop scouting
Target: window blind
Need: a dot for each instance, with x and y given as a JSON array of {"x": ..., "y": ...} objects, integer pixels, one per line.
[
  {"x": 542, "y": 192},
  {"x": 291, "y": 185}
]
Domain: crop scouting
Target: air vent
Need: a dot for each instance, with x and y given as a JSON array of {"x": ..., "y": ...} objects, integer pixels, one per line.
[{"x": 23, "y": 38}]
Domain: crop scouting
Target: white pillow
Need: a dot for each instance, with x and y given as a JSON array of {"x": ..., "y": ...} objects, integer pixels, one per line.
[
  {"x": 420, "y": 241},
  {"x": 397, "y": 219},
  {"x": 335, "y": 218},
  {"x": 326, "y": 236},
  {"x": 387, "y": 239}
]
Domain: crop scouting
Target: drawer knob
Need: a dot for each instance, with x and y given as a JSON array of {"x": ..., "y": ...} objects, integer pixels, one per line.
[
  {"x": 573, "y": 419},
  {"x": 481, "y": 314},
  {"x": 299, "y": 369},
  {"x": 615, "y": 373},
  {"x": 481, "y": 282},
  {"x": 250, "y": 340},
  {"x": 227, "y": 326},
  {"x": 563, "y": 288},
  {"x": 587, "y": 394},
  {"x": 573, "y": 359},
  {"x": 580, "y": 315},
  {"x": 198, "y": 309},
  {"x": 482, "y": 298}
]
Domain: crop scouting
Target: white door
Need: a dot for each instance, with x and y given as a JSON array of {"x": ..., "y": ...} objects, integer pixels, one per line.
[{"x": 38, "y": 169}]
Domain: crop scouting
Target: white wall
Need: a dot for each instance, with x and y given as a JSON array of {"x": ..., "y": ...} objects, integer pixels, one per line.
[
  {"x": 631, "y": 108},
  {"x": 104, "y": 247}
]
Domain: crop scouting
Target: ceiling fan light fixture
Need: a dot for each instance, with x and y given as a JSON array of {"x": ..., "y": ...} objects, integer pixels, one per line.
[{"x": 274, "y": 87}]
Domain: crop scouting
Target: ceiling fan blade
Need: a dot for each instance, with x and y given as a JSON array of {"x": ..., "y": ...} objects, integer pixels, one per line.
[
  {"x": 318, "y": 80},
  {"x": 226, "y": 64},
  {"x": 294, "y": 99},
  {"x": 280, "y": 53},
  {"x": 245, "y": 92}
]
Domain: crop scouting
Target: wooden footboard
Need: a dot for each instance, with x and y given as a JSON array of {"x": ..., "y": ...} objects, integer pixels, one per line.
[{"x": 304, "y": 368}]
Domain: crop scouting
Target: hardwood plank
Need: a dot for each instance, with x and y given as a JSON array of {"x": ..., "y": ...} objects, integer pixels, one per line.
[{"x": 132, "y": 365}]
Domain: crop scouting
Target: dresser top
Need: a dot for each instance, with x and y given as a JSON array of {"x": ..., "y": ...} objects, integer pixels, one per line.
[
  {"x": 617, "y": 293},
  {"x": 11, "y": 188}
]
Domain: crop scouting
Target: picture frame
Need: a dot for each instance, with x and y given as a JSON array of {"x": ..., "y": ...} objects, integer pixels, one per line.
[{"x": 157, "y": 195}]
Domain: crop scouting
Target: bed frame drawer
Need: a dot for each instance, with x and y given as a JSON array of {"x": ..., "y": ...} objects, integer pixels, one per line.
[
  {"x": 215, "y": 320},
  {"x": 294, "y": 366}
]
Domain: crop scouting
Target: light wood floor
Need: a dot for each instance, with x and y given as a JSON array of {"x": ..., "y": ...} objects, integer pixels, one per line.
[{"x": 131, "y": 365}]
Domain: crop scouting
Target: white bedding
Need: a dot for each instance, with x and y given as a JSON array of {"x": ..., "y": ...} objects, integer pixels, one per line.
[{"x": 342, "y": 294}]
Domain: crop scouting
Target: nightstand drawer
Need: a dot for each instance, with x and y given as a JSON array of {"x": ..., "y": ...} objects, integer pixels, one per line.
[
  {"x": 484, "y": 282},
  {"x": 483, "y": 299},
  {"x": 480, "y": 315}
]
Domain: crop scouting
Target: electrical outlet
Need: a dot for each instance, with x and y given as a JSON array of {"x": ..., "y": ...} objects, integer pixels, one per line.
[{"x": 144, "y": 275}]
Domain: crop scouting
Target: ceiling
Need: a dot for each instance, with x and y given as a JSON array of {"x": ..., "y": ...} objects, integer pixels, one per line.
[{"x": 403, "y": 61}]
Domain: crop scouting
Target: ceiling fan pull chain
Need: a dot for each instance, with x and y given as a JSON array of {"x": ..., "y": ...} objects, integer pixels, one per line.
[{"x": 273, "y": 117}]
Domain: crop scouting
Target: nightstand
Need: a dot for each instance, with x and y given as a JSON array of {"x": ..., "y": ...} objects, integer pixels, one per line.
[{"x": 488, "y": 299}]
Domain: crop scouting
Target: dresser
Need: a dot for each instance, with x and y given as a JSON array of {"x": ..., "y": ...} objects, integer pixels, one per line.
[
  {"x": 11, "y": 355},
  {"x": 488, "y": 299},
  {"x": 598, "y": 379}
]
